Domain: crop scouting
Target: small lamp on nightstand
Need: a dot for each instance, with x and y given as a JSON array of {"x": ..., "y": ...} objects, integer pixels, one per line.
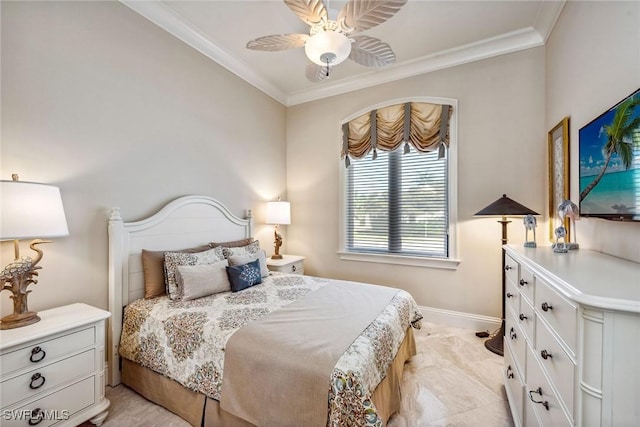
[
  {"x": 27, "y": 210},
  {"x": 278, "y": 213}
]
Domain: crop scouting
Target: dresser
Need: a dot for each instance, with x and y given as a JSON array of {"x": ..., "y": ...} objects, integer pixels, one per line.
[
  {"x": 52, "y": 372},
  {"x": 288, "y": 264},
  {"x": 572, "y": 338}
]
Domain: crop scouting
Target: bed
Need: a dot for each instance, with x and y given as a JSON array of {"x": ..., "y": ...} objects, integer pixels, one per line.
[{"x": 246, "y": 358}]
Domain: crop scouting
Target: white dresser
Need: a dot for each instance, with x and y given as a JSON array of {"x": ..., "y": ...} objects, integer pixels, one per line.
[
  {"x": 52, "y": 372},
  {"x": 572, "y": 338}
]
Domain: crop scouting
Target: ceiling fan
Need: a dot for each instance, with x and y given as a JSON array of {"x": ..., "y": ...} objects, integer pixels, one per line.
[{"x": 330, "y": 42}]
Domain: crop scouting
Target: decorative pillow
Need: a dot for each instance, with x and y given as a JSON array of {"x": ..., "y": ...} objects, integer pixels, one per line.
[
  {"x": 153, "y": 267},
  {"x": 244, "y": 276},
  {"x": 250, "y": 249},
  {"x": 233, "y": 243},
  {"x": 196, "y": 281},
  {"x": 173, "y": 259},
  {"x": 243, "y": 259}
]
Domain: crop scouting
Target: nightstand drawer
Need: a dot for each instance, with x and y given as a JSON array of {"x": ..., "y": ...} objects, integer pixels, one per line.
[
  {"x": 46, "y": 377},
  {"x": 295, "y": 268},
  {"x": 44, "y": 352},
  {"x": 54, "y": 407}
]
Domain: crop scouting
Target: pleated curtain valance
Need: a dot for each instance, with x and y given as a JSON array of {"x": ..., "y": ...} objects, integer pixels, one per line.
[{"x": 420, "y": 125}]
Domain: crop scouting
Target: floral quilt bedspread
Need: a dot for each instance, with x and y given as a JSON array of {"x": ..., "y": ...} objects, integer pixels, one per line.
[{"x": 185, "y": 341}]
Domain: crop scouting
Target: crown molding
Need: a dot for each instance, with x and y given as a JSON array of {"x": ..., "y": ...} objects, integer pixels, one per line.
[
  {"x": 526, "y": 38},
  {"x": 488, "y": 48},
  {"x": 180, "y": 28}
]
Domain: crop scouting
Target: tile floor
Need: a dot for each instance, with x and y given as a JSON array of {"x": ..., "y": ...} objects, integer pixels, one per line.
[{"x": 452, "y": 381}]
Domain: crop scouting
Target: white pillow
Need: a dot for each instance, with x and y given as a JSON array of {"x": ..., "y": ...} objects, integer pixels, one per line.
[
  {"x": 197, "y": 281},
  {"x": 245, "y": 258}
]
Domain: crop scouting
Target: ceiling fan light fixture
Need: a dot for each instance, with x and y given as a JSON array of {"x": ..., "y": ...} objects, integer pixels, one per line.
[{"x": 328, "y": 48}]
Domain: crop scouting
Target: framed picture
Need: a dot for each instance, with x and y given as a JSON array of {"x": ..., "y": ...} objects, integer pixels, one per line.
[
  {"x": 609, "y": 154},
  {"x": 558, "y": 172}
]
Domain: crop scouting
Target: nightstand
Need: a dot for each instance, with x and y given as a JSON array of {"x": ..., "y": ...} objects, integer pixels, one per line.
[
  {"x": 52, "y": 372},
  {"x": 288, "y": 264}
]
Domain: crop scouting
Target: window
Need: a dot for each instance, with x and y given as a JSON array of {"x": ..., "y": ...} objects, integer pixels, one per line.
[
  {"x": 397, "y": 204},
  {"x": 400, "y": 207}
]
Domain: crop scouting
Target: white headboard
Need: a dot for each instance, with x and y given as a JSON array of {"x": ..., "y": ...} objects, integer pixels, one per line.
[{"x": 185, "y": 222}]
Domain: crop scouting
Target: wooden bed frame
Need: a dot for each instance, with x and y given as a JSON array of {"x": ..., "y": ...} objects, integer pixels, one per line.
[{"x": 187, "y": 222}]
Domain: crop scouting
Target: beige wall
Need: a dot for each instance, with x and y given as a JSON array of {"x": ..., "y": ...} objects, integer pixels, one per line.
[
  {"x": 117, "y": 112},
  {"x": 592, "y": 62},
  {"x": 501, "y": 149}
]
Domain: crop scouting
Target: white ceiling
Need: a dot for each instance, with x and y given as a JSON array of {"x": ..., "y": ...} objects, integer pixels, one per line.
[{"x": 426, "y": 35}]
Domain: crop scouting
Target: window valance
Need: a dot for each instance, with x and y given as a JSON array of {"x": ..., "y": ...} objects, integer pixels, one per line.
[{"x": 420, "y": 125}]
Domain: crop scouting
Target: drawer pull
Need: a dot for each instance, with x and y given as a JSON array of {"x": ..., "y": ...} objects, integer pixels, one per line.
[
  {"x": 34, "y": 352},
  {"x": 546, "y": 307},
  {"x": 509, "y": 372},
  {"x": 293, "y": 268},
  {"x": 522, "y": 316},
  {"x": 545, "y": 354},
  {"x": 523, "y": 282},
  {"x": 543, "y": 403},
  {"x": 507, "y": 267},
  {"x": 509, "y": 295},
  {"x": 37, "y": 415},
  {"x": 38, "y": 379},
  {"x": 512, "y": 334}
]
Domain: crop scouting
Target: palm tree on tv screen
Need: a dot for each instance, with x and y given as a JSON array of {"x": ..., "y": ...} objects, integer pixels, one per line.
[{"x": 619, "y": 139}]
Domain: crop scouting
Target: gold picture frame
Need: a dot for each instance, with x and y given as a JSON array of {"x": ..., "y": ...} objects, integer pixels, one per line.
[{"x": 558, "y": 172}]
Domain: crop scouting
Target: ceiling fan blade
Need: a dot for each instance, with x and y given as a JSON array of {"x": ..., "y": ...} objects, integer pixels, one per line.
[
  {"x": 312, "y": 12},
  {"x": 278, "y": 42},
  {"x": 360, "y": 15},
  {"x": 371, "y": 52},
  {"x": 316, "y": 73}
]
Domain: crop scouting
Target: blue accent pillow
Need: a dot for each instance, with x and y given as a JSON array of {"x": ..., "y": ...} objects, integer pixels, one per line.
[{"x": 244, "y": 276}]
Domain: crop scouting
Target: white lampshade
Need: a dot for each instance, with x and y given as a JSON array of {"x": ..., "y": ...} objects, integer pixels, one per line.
[
  {"x": 30, "y": 210},
  {"x": 336, "y": 45},
  {"x": 278, "y": 213}
]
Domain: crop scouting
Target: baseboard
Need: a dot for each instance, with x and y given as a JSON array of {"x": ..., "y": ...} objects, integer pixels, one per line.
[{"x": 459, "y": 319}]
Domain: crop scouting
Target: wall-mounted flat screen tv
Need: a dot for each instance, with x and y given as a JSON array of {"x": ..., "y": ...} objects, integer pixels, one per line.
[{"x": 609, "y": 152}]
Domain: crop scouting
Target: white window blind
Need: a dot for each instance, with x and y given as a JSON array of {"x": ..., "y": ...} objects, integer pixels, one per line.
[{"x": 397, "y": 204}]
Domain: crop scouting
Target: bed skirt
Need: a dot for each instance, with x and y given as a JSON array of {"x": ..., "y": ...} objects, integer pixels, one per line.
[{"x": 200, "y": 410}]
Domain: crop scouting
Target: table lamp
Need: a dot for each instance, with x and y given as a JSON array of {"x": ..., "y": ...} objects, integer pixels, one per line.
[
  {"x": 278, "y": 213},
  {"x": 502, "y": 207},
  {"x": 28, "y": 210}
]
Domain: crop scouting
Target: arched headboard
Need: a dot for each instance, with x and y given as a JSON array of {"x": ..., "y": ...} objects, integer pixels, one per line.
[{"x": 185, "y": 222}]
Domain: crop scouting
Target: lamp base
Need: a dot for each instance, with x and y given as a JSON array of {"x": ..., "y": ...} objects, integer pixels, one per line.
[
  {"x": 14, "y": 320},
  {"x": 495, "y": 343},
  {"x": 276, "y": 256}
]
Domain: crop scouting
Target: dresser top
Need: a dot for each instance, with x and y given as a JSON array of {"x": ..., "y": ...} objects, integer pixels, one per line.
[
  {"x": 585, "y": 276},
  {"x": 52, "y": 321}
]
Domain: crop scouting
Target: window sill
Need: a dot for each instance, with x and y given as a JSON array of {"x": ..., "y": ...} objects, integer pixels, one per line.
[{"x": 448, "y": 264}]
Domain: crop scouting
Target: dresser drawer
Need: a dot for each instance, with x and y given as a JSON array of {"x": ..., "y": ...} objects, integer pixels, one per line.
[
  {"x": 545, "y": 402},
  {"x": 46, "y": 377},
  {"x": 512, "y": 296},
  {"x": 54, "y": 407},
  {"x": 511, "y": 269},
  {"x": 514, "y": 339},
  {"x": 527, "y": 283},
  {"x": 44, "y": 352},
  {"x": 558, "y": 312},
  {"x": 527, "y": 321},
  {"x": 513, "y": 385},
  {"x": 556, "y": 362}
]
